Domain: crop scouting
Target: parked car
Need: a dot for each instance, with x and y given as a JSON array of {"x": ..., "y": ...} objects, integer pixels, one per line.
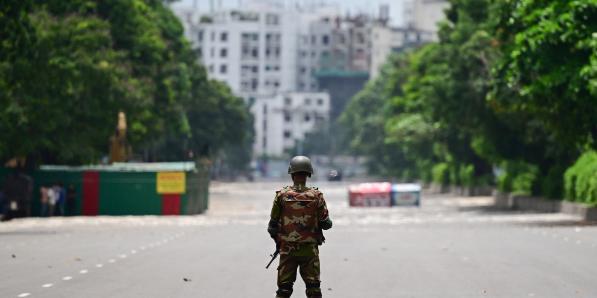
[{"x": 334, "y": 175}]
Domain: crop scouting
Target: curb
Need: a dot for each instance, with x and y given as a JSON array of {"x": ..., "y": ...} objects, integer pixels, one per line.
[{"x": 518, "y": 202}]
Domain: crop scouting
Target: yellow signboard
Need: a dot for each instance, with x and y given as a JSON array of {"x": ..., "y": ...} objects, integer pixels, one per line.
[{"x": 171, "y": 182}]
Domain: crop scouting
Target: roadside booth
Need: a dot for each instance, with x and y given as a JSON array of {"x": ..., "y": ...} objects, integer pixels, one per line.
[{"x": 169, "y": 188}]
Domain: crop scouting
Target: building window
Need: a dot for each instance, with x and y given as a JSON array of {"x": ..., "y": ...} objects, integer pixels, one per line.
[
  {"x": 287, "y": 117},
  {"x": 255, "y": 53},
  {"x": 287, "y": 101},
  {"x": 325, "y": 39},
  {"x": 276, "y": 84},
  {"x": 211, "y": 52},
  {"x": 199, "y": 52},
  {"x": 313, "y": 39},
  {"x": 223, "y": 36},
  {"x": 264, "y": 112},
  {"x": 255, "y": 69},
  {"x": 319, "y": 102},
  {"x": 223, "y": 53},
  {"x": 272, "y": 19},
  {"x": 307, "y": 101},
  {"x": 223, "y": 68},
  {"x": 307, "y": 117},
  {"x": 211, "y": 68},
  {"x": 303, "y": 69},
  {"x": 200, "y": 35},
  {"x": 213, "y": 36},
  {"x": 287, "y": 134}
]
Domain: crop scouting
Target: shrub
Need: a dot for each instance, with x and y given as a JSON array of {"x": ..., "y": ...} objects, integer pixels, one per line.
[
  {"x": 467, "y": 175},
  {"x": 580, "y": 180},
  {"x": 440, "y": 174},
  {"x": 517, "y": 177}
]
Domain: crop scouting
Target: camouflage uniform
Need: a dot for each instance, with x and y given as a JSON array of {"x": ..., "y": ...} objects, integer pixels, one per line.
[{"x": 298, "y": 215}]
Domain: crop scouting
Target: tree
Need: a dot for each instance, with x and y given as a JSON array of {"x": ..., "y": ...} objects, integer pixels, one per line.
[{"x": 68, "y": 68}]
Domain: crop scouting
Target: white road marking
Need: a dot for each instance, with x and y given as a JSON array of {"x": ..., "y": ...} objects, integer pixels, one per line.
[
  {"x": 578, "y": 242},
  {"x": 67, "y": 278},
  {"x": 84, "y": 271},
  {"x": 111, "y": 260},
  {"x": 133, "y": 251},
  {"x": 122, "y": 256},
  {"x": 24, "y": 294},
  {"x": 47, "y": 285},
  {"x": 99, "y": 265},
  {"x": 142, "y": 247}
]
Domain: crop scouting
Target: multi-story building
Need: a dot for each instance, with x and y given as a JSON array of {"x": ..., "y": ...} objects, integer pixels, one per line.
[
  {"x": 253, "y": 51},
  {"x": 421, "y": 18},
  {"x": 423, "y": 15},
  {"x": 282, "y": 121}
]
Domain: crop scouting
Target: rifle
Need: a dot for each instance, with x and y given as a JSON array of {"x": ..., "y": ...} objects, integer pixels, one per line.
[{"x": 274, "y": 255}]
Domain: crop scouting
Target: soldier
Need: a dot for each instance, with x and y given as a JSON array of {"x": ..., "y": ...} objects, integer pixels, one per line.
[{"x": 298, "y": 215}]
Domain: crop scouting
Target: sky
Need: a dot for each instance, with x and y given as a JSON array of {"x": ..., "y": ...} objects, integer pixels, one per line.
[{"x": 352, "y": 6}]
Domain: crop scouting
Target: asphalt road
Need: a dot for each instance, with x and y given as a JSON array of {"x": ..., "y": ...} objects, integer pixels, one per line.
[{"x": 450, "y": 247}]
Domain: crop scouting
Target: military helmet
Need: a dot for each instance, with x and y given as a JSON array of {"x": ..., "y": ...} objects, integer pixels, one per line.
[{"x": 300, "y": 164}]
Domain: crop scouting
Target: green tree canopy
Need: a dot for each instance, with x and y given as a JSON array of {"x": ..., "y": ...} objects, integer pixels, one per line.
[{"x": 68, "y": 67}]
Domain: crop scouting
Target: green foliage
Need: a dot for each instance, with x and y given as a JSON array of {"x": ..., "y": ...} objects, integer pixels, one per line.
[
  {"x": 517, "y": 177},
  {"x": 68, "y": 67},
  {"x": 440, "y": 174},
  {"x": 581, "y": 179},
  {"x": 548, "y": 66},
  {"x": 509, "y": 85}
]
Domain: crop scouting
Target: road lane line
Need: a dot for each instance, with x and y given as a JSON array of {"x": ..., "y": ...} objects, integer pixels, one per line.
[
  {"x": 24, "y": 294},
  {"x": 122, "y": 256},
  {"x": 84, "y": 271},
  {"x": 111, "y": 261},
  {"x": 47, "y": 285},
  {"x": 133, "y": 251},
  {"x": 99, "y": 265},
  {"x": 67, "y": 278}
]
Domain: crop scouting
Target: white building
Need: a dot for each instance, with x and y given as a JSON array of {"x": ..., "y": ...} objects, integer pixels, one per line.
[
  {"x": 282, "y": 121},
  {"x": 253, "y": 51},
  {"x": 421, "y": 19},
  {"x": 423, "y": 15}
]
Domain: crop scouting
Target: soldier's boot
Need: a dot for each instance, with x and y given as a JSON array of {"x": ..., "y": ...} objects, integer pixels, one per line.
[
  {"x": 284, "y": 290},
  {"x": 313, "y": 290}
]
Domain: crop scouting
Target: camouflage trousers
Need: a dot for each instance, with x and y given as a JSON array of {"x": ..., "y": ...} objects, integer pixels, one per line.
[{"x": 308, "y": 267}]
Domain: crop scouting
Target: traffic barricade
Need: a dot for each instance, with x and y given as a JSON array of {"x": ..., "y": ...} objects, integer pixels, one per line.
[
  {"x": 370, "y": 195},
  {"x": 407, "y": 194}
]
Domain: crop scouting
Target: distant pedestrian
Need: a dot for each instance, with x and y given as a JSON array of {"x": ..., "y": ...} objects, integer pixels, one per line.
[
  {"x": 61, "y": 201},
  {"x": 44, "y": 201},
  {"x": 17, "y": 191},
  {"x": 52, "y": 199},
  {"x": 3, "y": 206},
  {"x": 71, "y": 200}
]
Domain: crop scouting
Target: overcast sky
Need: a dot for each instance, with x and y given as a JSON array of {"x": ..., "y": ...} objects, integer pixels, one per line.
[{"x": 352, "y": 6}]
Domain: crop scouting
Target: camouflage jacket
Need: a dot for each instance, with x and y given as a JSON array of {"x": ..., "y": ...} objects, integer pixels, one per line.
[{"x": 299, "y": 213}]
